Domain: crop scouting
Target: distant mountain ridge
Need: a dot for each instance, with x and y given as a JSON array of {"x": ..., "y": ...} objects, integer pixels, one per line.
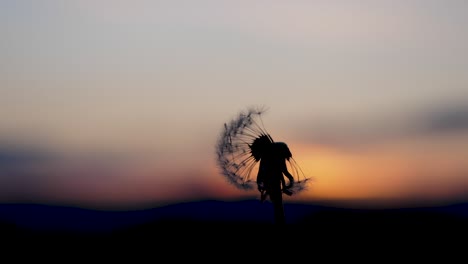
[
  {"x": 64, "y": 218},
  {"x": 71, "y": 219}
]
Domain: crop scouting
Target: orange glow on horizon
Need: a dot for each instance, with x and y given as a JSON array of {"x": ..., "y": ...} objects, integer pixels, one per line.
[{"x": 401, "y": 170}]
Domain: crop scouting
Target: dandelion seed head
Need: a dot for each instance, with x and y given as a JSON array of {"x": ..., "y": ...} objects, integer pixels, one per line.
[{"x": 240, "y": 147}]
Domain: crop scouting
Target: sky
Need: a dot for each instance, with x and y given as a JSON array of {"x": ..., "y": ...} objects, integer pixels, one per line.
[{"x": 114, "y": 103}]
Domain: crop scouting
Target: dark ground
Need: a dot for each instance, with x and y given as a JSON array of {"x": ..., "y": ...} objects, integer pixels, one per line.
[{"x": 235, "y": 228}]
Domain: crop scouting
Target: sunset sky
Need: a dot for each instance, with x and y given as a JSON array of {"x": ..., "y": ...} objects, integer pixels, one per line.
[{"x": 113, "y": 103}]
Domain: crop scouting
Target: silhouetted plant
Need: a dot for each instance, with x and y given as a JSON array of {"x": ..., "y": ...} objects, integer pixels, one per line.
[{"x": 245, "y": 149}]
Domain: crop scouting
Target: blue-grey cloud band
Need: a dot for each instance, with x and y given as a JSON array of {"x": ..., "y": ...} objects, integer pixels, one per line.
[{"x": 442, "y": 120}]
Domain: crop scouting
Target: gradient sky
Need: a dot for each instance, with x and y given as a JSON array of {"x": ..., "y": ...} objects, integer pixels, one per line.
[{"x": 113, "y": 103}]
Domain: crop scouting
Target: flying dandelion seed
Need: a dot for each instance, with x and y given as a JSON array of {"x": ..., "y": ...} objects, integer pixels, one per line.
[{"x": 242, "y": 146}]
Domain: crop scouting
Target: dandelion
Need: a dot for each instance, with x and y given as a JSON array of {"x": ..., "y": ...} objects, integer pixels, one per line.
[{"x": 249, "y": 158}]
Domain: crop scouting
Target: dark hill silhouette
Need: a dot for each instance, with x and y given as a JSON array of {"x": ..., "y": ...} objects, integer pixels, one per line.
[{"x": 219, "y": 221}]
